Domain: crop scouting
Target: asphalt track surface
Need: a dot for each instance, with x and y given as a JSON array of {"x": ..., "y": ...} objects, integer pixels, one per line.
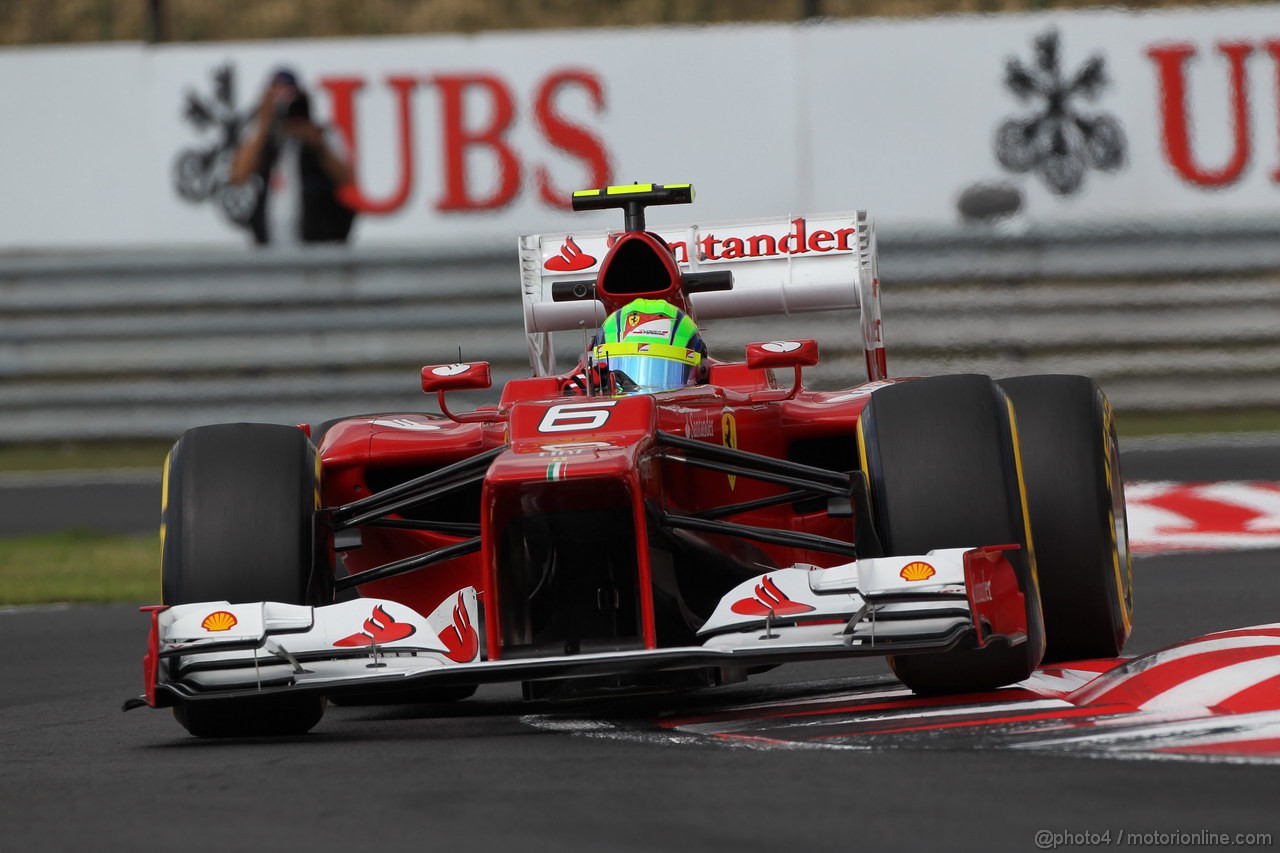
[{"x": 493, "y": 773}]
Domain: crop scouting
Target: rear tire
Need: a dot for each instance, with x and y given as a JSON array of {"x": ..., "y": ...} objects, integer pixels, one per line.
[
  {"x": 1075, "y": 493},
  {"x": 941, "y": 458},
  {"x": 238, "y": 524}
]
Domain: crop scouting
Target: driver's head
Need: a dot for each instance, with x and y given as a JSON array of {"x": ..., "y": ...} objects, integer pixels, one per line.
[{"x": 649, "y": 346}]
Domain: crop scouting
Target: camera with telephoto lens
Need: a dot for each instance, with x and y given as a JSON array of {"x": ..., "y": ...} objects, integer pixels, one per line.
[{"x": 296, "y": 106}]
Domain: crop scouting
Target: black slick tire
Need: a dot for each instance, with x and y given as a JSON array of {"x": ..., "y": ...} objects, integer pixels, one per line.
[
  {"x": 238, "y": 523},
  {"x": 941, "y": 457},
  {"x": 1075, "y": 493}
]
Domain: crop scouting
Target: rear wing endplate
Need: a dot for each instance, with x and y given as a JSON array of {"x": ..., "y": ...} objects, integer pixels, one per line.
[{"x": 780, "y": 266}]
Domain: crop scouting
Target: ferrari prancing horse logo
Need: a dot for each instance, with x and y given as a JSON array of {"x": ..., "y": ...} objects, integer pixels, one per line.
[{"x": 729, "y": 438}]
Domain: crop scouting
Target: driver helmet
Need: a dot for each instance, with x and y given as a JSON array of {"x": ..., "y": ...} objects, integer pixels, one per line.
[{"x": 649, "y": 345}]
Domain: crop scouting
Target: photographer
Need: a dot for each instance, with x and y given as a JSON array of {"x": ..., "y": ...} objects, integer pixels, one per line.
[{"x": 299, "y": 167}]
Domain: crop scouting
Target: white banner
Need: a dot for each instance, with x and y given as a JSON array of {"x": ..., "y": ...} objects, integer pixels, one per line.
[{"x": 1106, "y": 116}]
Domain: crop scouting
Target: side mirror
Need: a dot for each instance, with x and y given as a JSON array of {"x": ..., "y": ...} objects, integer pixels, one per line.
[
  {"x": 456, "y": 377},
  {"x": 793, "y": 354},
  {"x": 460, "y": 377},
  {"x": 782, "y": 354}
]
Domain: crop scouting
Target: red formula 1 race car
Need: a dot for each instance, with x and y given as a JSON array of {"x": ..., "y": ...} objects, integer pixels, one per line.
[{"x": 651, "y": 519}]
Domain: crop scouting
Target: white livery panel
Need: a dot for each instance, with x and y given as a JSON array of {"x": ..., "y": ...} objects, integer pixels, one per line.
[
  {"x": 207, "y": 650},
  {"x": 823, "y": 262}
]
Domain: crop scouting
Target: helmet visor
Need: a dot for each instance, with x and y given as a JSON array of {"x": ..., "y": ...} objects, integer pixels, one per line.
[{"x": 647, "y": 368}]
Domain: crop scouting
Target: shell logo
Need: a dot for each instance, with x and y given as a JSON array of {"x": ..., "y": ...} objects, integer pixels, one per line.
[
  {"x": 219, "y": 620},
  {"x": 917, "y": 571}
]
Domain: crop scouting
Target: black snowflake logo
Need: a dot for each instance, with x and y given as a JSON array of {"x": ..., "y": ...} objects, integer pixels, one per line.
[
  {"x": 202, "y": 174},
  {"x": 1059, "y": 140}
]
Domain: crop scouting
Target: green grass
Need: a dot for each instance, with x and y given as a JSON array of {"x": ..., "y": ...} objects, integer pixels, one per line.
[
  {"x": 79, "y": 567},
  {"x": 83, "y": 455},
  {"x": 1194, "y": 423}
]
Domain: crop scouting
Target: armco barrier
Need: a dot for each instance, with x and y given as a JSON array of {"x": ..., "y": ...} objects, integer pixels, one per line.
[{"x": 146, "y": 345}]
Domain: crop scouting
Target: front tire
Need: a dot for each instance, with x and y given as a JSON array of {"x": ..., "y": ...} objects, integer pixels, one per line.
[
  {"x": 941, "y": 456},
  {"x": 238, "y": 524},
  {"x": 1075, "y": 493}
]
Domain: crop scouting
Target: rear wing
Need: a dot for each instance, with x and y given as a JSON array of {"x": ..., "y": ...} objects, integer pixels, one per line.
[{"x": 779, "y": 266}]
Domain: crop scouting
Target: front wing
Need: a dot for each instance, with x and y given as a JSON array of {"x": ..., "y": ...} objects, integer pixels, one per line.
[{"x": 888, "y": 605}]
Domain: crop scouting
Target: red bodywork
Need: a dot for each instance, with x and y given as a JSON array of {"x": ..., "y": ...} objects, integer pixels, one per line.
[{"x": 582, "y": 480}]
